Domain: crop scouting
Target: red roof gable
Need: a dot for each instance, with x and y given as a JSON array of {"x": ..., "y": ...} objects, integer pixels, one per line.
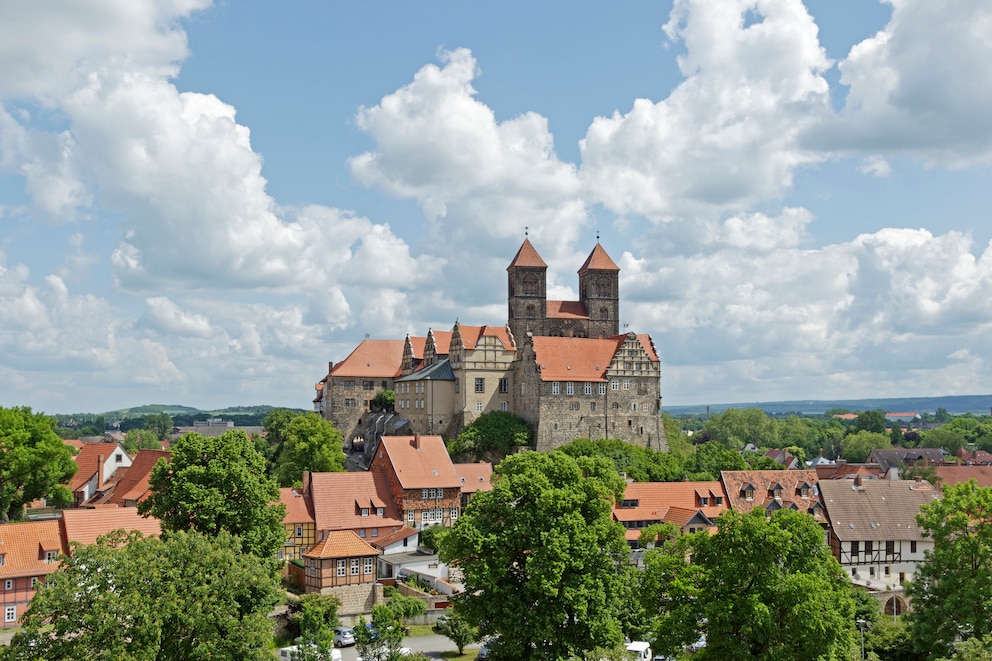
[
  {"x": 298, "y": 505},
  {"x": 598, "y": 260},
  {"x": 475, "y": 477},
  {"x": 442, "y": 342},
  {"x": 575, "y": 358},
  {"x": 340, "y": 544},
  {"x": 133, "y": 484},
  {"x": 527, "y": 257},
  {"x": 333, "y": 497},
  {"x": 24, "y": 546},
  {"x": 471, "y": 335},
  {"x": 86, "y": 525},
  {"x": 372, "y": 358},
  {"x": 420, "y": 462},
  {"x": 87, "y": 459}
]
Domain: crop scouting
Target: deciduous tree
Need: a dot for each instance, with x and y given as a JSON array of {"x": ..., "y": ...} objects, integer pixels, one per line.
[
  {"x": 311, "y": 443},
  {"x": 185, "y": 596},
  {"x": 952, "y": 590},
  {"x": 541, "y": 554},
  {"x": 856, "y": 447},
  {"x": 216, "y": 484},
  {"x": 497, "y": 432},
  {"x": 34, "y": 462}
]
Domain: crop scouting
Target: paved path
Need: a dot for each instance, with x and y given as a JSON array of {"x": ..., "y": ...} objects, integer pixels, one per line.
[{"x": 430, "y": 646}]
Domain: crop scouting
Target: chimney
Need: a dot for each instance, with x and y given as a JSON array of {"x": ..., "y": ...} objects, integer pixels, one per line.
[
  {"x": 857, "y": 480},
  {"x": 416, "y": 441},
  {"x": 99, "y": 471}
]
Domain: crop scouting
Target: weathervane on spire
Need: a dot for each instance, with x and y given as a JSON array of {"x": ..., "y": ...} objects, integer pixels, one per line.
[
  {"x": 597, "y": 236},
  {"x": 525, "y": 231}
]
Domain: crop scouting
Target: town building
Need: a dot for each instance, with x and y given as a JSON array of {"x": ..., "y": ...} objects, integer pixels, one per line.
[
  {"x": 298, "y": 522},
  {"x": 565, "y": 367},
  {"x": 773, "y": 490},
  {"x": 29, "y": 551},
  {"x": 422, "y": 480}
]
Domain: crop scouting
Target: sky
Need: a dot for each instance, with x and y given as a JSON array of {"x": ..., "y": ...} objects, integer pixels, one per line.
[{"x": 203, "y": 203}]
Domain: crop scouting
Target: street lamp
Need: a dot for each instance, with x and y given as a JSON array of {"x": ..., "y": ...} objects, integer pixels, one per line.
[{"x": 861, "y": 625}]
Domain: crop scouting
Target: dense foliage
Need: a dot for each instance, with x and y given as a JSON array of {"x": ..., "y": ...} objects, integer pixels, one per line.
[
  {"x": 309, "y": 443},
  {"x": 216, "y": 484},
  {"x": 495, "y": 433},
  {"x": 185, "y": 596},
  {"x": 34, "y": 462},
  {"x": 542, "y": 558}
]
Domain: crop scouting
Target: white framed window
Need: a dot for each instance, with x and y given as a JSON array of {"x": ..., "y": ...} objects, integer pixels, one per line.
[
  {"x": 8, "y": 584},
  {"x": 354, "y": 566},
  {"x": 480, "y": 384},
  {"x": 602, "y": 389},
  {"x": 569, "y": 388},
  {"x": 10, "y": 614},
  {"x": 379, "y": 511},
  {"x": 34, "y": 581},
  {"x": 586, "y": 388},
  {"x": 361, "y": 533},
  {"x": 342, "y": 568},
  {"x": 503, "y": 406},
  {"x": 633, "y": 406},
  {"x": 3, "y": 559},
  {"x": 424, "y": 494},
  {"x": 409, "y": 516},
  {"x": 369, "y": 566},
  {"x": 478, "y": 407},
  {"x": 281, "y": 555},
  {"x": 454, "y": 513},
  {"x": 299, "y": 531},
  {"x": 375, "y": 532},
  {"x": 644, "y": 408},
  {"x": 614, "y": 385},
  {"x": 555, "y": 388},
  {"x": 626, "y": 384},
  {"x": 504, "y": 386},
  {"x": 365, "y": 511}
]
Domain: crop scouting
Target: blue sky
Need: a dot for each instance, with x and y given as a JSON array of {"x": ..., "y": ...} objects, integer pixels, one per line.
[{"x": 203, "y": 203}]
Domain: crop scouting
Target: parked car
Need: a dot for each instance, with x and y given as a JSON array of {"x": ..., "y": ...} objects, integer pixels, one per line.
[
  {"x": 344, "y": 636},
  {"x": 294, "y": 653},
  {"x": 641, "y": 650}
]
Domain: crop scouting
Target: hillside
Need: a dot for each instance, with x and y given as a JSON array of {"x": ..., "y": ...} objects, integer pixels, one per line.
[{"x": 955, "y": 405}]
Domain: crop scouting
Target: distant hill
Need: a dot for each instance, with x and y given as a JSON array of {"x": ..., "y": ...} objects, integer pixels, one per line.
[
  {"x": 175, "y": 410},
  {"x": 955, "y": 405}
]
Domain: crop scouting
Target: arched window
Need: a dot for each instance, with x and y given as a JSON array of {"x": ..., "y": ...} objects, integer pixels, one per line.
[{"x": 530, "y": 285}]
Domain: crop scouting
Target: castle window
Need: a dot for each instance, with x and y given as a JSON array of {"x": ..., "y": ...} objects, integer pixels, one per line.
[
  {"x": 503, "y": 406},
  {"x": 614, "y": 385},
  {"x": 368, "y": 385},
  {"x": 555, "y": 388},
  {"x": 569, "y": 388},
  {"x": 604, "y": 313},
  {"x": 349, "y": 402},
  {"x": 626, "y": 384},
  {"x": 628, "y": 365},
  {"x": 478, "y": 407},
  {"x": 615, "y": 406},
  {"x": 504, "y": 386},
  {"x": 349, "y": 385},
  {"x": 592, "y": 406},
  {"x": 531, "y": 285},
  {"x": 633, "y": 406},
  {"x": 480, "y": 385},
  {"x": 587, "y": 388},
  {"x": 602, "y": 389}
]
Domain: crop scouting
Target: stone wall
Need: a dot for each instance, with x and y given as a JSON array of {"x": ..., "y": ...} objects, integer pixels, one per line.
[{"x": 356, "y": 599}]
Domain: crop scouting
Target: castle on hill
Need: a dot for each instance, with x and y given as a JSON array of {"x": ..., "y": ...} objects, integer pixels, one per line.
[{"x": 563, "y": 366}]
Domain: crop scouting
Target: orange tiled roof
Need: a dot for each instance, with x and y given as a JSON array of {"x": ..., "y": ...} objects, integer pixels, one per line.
[
  {"x": 420, "y": 462},
  {"x": 575, "y": 358},
  {"x": 417, "y": 345},
  {"x": 298, "y": 505},
  {"x": 763, "y": 483},
  {"x": 527, "y": 257},
  {"x": 85, "y": 525},
  {"x": 566, "y": 310},
  {"x": 383, "y": 541},
  {"x": 842, "y": 470},
  {"x": 648, "y": 345},
  {"x": 333, "y": 497},
  {"x": 472, "y": 334},
  {"x": 656, "y": 500},
  {"x": 598, "y": 260},
  {"x": 475, "y": 477},
  {"x": 442, "y": 342},
  {"x": 957, "y": 474},
  {"x": 340, "y": 544},
  {"x": 87, "y": 459},
  {"x": 372, "y": 358},
  {"x": 75, "y": 443},
  {"x": 133, "y": 483},
  {"x": 23, "y": 546}
]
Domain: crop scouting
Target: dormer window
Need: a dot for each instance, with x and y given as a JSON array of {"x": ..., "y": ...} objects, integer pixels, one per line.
[
  {"x": 3, "y": 559},
  {"x": 365, "y": 511},
  {"x": 51, "y": 556},
  {"x": 718, "y": 500},
  {"x": 776, "y": 492},
  {"x": 379, "y": 511},
  {"x": 804, "y": 490},
  {"x": 704, "y": 501},
  {"x": 629, "y": 502},
  {"x": 748, "y": 492}
]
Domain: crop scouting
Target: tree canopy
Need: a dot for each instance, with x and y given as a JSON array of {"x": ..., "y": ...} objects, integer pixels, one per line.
[
  {"x": 856, "y": 447},
  {"x": 216, "y": 484},
  {"x": 762, "y": 588},
  {"x": 492, "y": 433},
  {"x": 952, "y": 590},
  {"x": 185, "y": 596},
  {"x": 543, "y": 561},
  {"x": 34, "y": 462},
  {"x": 310, "y": 443}
]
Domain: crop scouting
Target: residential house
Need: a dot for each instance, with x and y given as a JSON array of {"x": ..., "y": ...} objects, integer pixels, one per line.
[
  {"x": 130, "y": 484},
  {"x": 773, "y": 490},
  {"x": 841, "y": 470},
  {"x": 980, "y": 457},
  {"x": 874, "y": 534},
  {"x": 361, "y": 502},
  {"x": 690, "y": 506},
  {"x": 783, "y": 458},
  {"x": 341, "y": 558},
  {"x": 85, "y": 526},
  {"x": 29, "y": 551},
  {"x": 97, "y": 464},
  {"x": 474, "y": 478},
  {"x": 905, "y": 458},
  {"x": 398, "y": 551},
  {"x": 299, "y": 523},
  {"x": 422, "y": 480}
]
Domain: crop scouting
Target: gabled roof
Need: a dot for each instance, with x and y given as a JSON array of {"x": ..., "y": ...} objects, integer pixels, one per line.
[
  {"x": 23, "y": 546},
  {"x": 84, "y": 526},
  {"x": 299, "y": 508},
  {"x": 384, "y": 541},
  {"x": 875, "y": 509},
  {"x": 670, "y": 502},
  {"x": 575, "y": 358},
  {"x": 471, "y": 335},
  {"x": 442, "y": 341},
  {"x": 439, "y": 371},
  {"x": 333, "y": 498},
  {"x": 566, "y": 310},
  {"x": 902, "y": 457},
  {"x": 417, "y": 346},
  {"x": 764, "y": 481},
  {"x": 87, "y": 459},
  {"x": 598, "y": 260},
  {"x": 527, "y": 257},
  {"x": 842, "y": 470},
  {"x": 340, "y": 544},
  {"x": 419, "y": 462},
  {"x": 950, "y": 475},
  {"x": 133, "y": 483},
  {"x": 371, "y": 359},
  {"x": 475, "y": 477}
]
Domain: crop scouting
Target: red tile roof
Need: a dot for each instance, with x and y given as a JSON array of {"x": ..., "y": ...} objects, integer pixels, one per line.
[
  {"x": 475, "y": 477},
  {"x": 598, "y": 260},
  {"x": 340, "y": 544},
  {"x": 299, "y": 508},
  {"x": 566, "y": 310},
  {"x": 575, "y": 358},
  {"x": 87, "y": 459},
  {"x": 372, "y": 358},
  {"x": 23, "y": 547},
  {"x": 383, "y": 541},
  {"x": 420, "y": 462},
  {"x": 78, "y": 445},
  {"x": 334, "y": 495},
  {"x": 442, "y": 342},
  {"x": 86, "y": 525},
  {"x": 132, "y": 487},
  {"x": 957, "y": 474},
  {"x": 763, "y": 483},
  {"x": 527, "y": 257},
  {"x": 471, "y": 335},
  {"x": 669, "y": 502},
  {"x": 417, "y": 345}
]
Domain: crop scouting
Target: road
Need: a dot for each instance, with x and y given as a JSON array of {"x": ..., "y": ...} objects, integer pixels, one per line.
[{"x": 430, "y": 646}]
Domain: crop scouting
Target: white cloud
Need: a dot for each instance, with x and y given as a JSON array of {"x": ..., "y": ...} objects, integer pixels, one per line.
[{"x": 875, "y": 165}]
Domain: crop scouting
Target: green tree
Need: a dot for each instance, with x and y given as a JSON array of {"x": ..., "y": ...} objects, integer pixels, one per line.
[
  {"x": 495, "y": 432},
  {"x": 736, "y": 428},
  {"x": 873, "y": 421},
  {"x": 185, "y": 596},
  {"x": 456, "y": 629},
  {"x": 947, "y": 437},
  {"x": 275, "y": 424},
  {"x": 973, "y": 649},
  {"x": 160, "y": 423},
  {"x": 311, "y": 444},
  {"x": 139, "y": 439},
  {"x": 316, "y": 615},
  {"x": 856, "y": 447},
  {"x": 218, "y": 484},
  {"x": 952, "y": 590},
  {"x": 381, "y": 641},
  {"x": 765, "y": 588},
  {"x": 541, "y": 556},
  {"x": 405, "y": 607},
  {"x": 896, "y": 436},
  {"x": 34, "y": 462},
  {"x": 711, "y": 458},
  {"x": 639, "y": 463},
  {"x": 384, "y": 400}
]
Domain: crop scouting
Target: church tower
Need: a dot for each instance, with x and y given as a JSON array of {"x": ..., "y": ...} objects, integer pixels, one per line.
[
  {"x": 527, "y": 295},
  {"x": 599, "y": 292}
]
